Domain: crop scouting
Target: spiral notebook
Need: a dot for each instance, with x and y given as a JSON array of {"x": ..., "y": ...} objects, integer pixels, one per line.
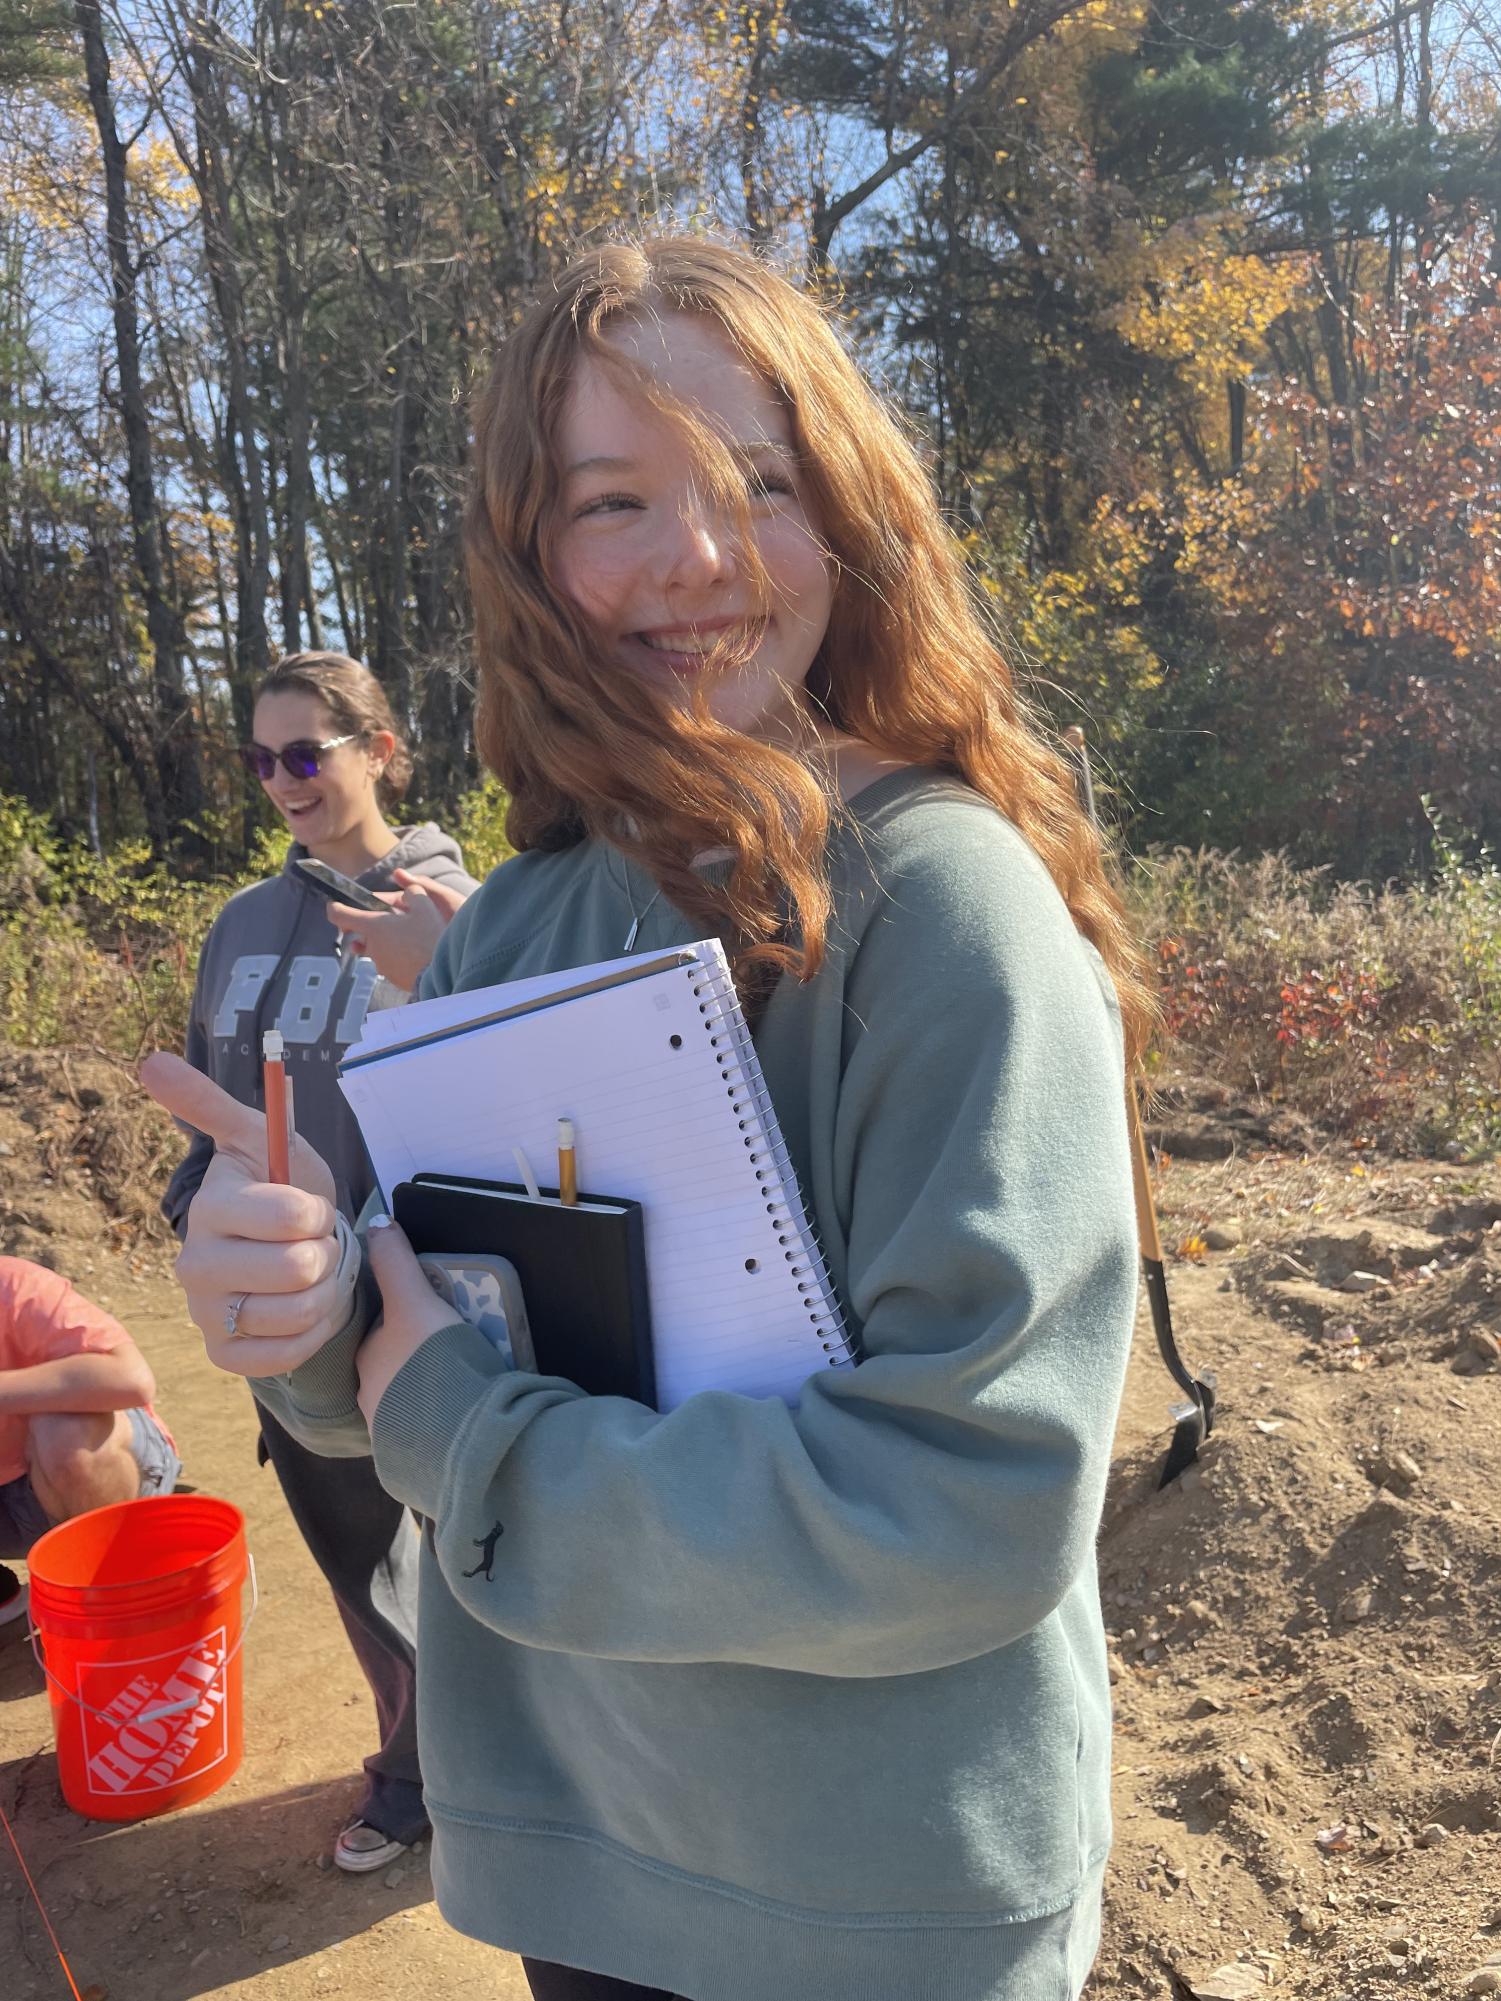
[{"x": 652, "y": 1060}]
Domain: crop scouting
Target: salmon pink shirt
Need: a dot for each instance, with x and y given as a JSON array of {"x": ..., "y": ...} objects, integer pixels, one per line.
[{"x": 44, "y": 1319}]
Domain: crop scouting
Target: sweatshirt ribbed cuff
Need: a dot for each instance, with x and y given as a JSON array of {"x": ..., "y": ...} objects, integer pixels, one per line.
[
  {"x": 425, "y": 1403},
  {"x": 324, "y": 1389}
]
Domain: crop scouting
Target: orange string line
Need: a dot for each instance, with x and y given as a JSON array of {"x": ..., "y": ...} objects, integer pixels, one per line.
[{"x": 41, "y": 1907}]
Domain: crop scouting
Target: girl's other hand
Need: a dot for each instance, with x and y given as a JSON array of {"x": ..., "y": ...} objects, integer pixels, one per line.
[
  {"x": 403, "y": 941},
  {"x": 413, "y": 1311},
  {"x": 272, "y": 1248}
]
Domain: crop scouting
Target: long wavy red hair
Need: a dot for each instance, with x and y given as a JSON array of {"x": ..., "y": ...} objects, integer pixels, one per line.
[{"x": 907, "y": 664}]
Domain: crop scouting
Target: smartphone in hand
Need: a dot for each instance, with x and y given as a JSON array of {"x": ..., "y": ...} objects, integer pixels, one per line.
[
  {"x": 337, "y": 888},
  {"x": 485, "y": 1291}
]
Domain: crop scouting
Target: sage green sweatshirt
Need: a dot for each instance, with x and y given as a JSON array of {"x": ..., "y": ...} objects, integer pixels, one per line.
[{"x": 754, "y": 1703}]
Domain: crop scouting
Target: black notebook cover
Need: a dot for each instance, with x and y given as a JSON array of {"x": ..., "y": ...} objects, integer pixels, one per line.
[{"x": 582, "y": 1272}]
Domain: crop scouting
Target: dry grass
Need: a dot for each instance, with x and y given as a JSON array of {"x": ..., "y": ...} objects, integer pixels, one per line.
[{"x": 1374, "y": 1011}]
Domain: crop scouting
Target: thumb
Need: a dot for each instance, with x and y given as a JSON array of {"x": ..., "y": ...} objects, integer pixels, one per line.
[
  {"x": 404, "y": 1289},
  {"x": 344, "y": 916},
  {"x": 199, "y": 1102}
]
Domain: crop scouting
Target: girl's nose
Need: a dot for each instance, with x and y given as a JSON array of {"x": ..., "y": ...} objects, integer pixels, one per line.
[{"x": 702, "y": 549}]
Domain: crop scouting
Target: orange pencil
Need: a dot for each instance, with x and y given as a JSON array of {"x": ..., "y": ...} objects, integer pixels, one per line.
[{"x": 278, "y": 1109}]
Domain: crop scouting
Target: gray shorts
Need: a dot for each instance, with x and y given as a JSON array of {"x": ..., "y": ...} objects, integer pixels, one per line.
[{"x": 23, "y": 1518}]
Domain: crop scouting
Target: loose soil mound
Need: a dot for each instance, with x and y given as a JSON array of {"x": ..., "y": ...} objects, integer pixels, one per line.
[
  {"x": 1305, "y": 1629},
  {"x": 82, "y": 1150}
]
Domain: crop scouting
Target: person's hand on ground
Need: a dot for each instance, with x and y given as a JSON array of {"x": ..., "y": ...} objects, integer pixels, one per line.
[
  {"x": 272, "y": 1248},
  {"x": 403, "y": 940},
  {"x": 413, "y": 1312}
]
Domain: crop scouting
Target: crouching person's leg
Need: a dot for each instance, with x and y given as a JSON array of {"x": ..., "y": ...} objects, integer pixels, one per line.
[
  {"x": 79, "y": 1460},
  {"x": 89, "y": 1459}
]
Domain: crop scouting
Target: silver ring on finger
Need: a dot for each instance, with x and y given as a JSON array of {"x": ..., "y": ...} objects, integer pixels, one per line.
[{"x": 232, "y": 1313}]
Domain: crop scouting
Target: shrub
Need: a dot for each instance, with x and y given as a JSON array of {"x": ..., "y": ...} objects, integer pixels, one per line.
[
  {"x": 481, "y": 828},
  {"x": 1374, "y": 1010},
  {"x": 100, "y": 951}
]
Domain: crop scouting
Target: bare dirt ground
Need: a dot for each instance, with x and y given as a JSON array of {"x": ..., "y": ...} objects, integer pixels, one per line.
[{"x": 1306, "y": 1631}]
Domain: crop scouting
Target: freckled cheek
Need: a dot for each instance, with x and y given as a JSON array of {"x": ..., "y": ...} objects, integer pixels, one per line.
[
  {"x": 795, "y": 561},
  {"x": 807, "y": 598},
  {"x": 600, "y": 587}
]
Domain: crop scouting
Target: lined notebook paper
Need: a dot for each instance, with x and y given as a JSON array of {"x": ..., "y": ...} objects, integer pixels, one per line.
[{"x": 657, "y": 1070}]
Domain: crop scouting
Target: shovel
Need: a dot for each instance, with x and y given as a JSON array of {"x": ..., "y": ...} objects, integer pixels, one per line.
[{"x": 1193, "y": 1420}]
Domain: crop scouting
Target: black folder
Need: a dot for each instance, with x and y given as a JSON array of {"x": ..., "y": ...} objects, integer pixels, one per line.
[{"x": 582, "y": 1269}]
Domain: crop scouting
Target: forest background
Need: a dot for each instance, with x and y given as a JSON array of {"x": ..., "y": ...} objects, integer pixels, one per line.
[{"x": 1194, "y": 304}]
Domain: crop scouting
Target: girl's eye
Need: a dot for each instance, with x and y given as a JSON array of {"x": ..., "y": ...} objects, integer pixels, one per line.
[
  {"x": 607, "y": 503},
  {"x": 763, "y": 483}
]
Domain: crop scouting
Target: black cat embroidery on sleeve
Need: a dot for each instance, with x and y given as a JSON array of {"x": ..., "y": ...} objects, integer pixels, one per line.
[{"x": 486, "y": 1544}]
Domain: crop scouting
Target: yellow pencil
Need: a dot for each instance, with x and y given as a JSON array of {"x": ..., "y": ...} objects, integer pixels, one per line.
[{"x": 568, "y": 1179}]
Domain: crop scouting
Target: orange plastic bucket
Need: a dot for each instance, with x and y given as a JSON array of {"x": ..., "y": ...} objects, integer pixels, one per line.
[{"x": 138, "y": 1611}]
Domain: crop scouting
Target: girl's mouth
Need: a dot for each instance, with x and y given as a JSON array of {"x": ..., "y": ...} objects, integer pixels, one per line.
[{"x": 687, "y": 650}]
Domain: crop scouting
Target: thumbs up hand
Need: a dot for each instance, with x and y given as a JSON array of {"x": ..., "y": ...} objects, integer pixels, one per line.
[{"x": 269, "y": 1252}]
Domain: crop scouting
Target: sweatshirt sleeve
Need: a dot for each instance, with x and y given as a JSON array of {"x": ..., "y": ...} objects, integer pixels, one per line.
[
  {"x": 444, "y": 972},
  {"x": 319, "y": 1403},
  {"x": 191, "y": 1169},
  {"x": 459, "y": 877},
  {"x": 938, "y": 1501},
  {"x": 449, "y": 871}
]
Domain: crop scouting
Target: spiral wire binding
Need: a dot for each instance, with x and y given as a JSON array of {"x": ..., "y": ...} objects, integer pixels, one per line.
[{"x": 787, "y": 1218}]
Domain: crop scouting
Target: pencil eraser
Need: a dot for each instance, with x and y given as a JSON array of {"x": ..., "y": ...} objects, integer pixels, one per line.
[{"x": 272, "y": 1047}]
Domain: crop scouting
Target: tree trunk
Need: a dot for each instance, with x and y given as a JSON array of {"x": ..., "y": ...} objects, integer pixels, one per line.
[
  {"x": 1236, "y": 392},
  {"x": 242, "y": 467},
  {"x": 758, "y": 29},
  {"x": 389, "y": 657},
  {"x": 176, "y": 746},
  {"x": 297, "y": 489},
  {"x": 140, "y": 760}
]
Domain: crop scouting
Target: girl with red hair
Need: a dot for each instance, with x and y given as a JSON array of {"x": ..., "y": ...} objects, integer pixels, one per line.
[{"x": 745, "y": 1700}]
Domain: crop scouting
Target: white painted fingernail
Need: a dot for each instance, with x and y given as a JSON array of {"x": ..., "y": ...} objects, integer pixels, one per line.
[{"x": 379, "y": 1221}]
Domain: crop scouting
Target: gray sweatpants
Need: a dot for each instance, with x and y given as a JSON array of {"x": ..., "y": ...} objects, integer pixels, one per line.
[{"x": 366, "y": 1546}]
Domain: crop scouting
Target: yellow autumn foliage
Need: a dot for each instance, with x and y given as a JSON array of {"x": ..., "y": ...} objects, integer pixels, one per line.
[
  {"x": 1077, "y": 627},
  {"x": 1196, "y": 302},
  {"x": 48, "y": 169},
  {"x": 158, "y": 175}
]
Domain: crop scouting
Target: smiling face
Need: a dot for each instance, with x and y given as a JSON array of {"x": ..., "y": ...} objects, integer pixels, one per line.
[
  {"x": 657, "y": 568},
  {"x": 335, "y": 811}
]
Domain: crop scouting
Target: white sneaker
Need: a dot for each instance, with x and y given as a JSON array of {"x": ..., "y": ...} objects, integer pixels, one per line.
[{"x": 361, "y": 1848}]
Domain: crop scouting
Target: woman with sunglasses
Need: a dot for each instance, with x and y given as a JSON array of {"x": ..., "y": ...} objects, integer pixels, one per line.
[{"x": 331, "y": 761}]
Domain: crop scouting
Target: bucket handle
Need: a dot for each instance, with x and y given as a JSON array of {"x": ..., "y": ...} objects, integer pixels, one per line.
[{"x": 167, "y": 1709}]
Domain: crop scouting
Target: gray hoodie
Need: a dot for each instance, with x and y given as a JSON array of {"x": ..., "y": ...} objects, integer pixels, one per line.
[{"x": 272, "y": 960}]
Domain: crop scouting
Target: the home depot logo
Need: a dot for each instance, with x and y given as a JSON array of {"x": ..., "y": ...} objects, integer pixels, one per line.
[{"x": 128, "y": 1748}]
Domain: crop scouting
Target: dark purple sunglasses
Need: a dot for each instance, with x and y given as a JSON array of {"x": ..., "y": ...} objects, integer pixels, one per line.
[{"x": 298, "y": 760}]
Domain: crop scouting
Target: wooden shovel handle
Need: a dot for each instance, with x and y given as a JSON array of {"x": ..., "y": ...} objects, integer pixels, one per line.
[
  {"x": 1141, "y": 1171},
  {"x": 1141, "y": 1180}
]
